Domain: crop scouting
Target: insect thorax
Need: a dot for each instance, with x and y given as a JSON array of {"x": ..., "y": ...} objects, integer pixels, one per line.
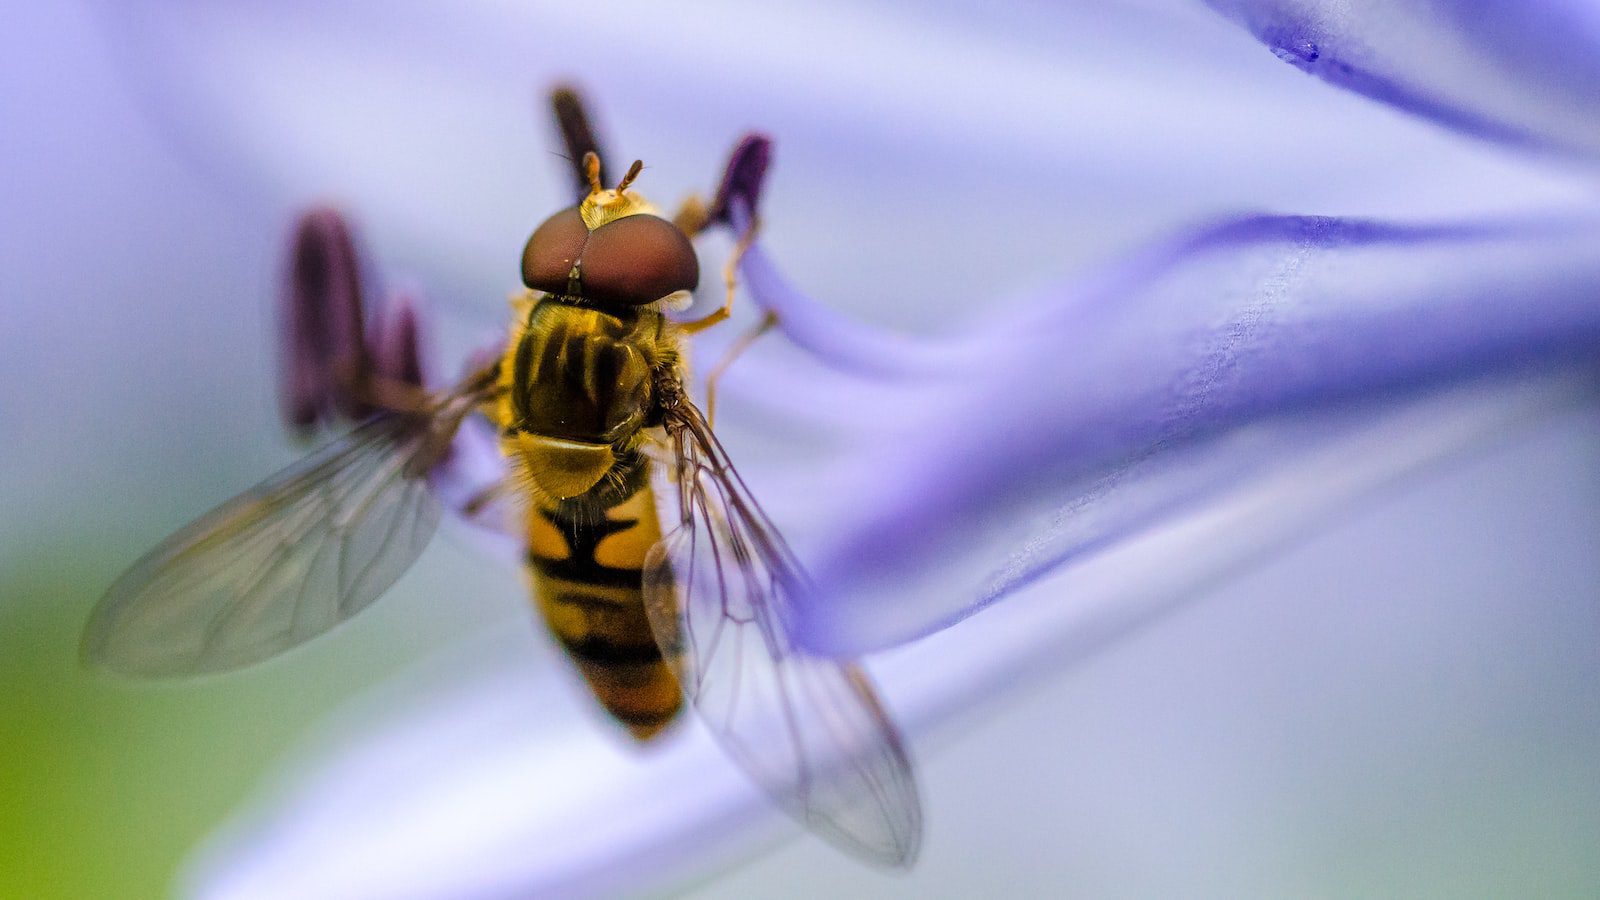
[{"x": 581, "y": 386}]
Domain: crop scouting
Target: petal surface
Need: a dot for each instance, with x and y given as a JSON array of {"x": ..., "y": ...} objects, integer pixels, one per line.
[
  {"x": 924, "y": 163},
  {"x": 481, "y": 773},
  {"x": 1522, "y": 74},
  {"x": 1186, "y": 371}
]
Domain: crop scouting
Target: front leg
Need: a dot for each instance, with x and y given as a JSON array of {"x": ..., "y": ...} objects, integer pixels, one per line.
[{"x": 730, "y": 279}]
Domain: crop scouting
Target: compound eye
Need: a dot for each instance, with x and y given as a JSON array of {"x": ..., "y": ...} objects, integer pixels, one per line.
[
  {"x": 638, "y": 259},
  {"x": 553, "y": 250}
]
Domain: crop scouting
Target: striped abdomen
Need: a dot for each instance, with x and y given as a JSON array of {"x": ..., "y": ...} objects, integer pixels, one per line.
[{"x": 586, "y": 555}]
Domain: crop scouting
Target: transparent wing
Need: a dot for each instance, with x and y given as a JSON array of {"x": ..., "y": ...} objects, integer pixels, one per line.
[
  {"x": 279, "y": 564},
  {"x": 810, "y": 730}
]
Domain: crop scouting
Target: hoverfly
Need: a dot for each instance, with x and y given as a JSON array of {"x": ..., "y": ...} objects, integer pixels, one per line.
[{"x": 589, "y": 400}]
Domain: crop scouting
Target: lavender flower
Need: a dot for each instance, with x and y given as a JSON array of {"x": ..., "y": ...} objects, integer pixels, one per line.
[{"x": 1130, "y": 434}]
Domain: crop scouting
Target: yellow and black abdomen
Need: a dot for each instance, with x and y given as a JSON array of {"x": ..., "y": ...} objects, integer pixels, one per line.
[
  {"x": 586, "y": 560},
  {"x": 577, "y": 394}
]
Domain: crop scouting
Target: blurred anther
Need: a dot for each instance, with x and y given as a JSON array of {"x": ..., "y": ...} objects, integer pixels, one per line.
[
  {"x": 396, "y": 345},
  {"x": 577, "y": 135},
  {"x": 742, "y": 178},
  {"x": 335, "y": 362},
  {"x": 324, "y": 355}
]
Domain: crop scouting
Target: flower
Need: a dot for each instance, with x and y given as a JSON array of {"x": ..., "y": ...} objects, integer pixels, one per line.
[{"x": 1202, "y": 395}]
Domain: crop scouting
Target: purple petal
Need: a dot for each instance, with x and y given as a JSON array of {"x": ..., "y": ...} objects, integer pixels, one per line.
[
  {"x": 910, "y": 185},
  {"x": 1193, "y": 368},
  {"x": 840, "y": 341},
  {"x": 1525, "y": 74}
]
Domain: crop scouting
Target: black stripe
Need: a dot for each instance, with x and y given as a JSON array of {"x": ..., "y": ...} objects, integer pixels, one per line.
[
  {"x": 583, "y": 526},
  {"x": 583, "y": 531},
  {"x": 520, "y": 376},
  {"x": 543, "y": 369},
  {"x": 605, "y": 652},
  {"x": 642, "y": 719},
  {"x": 605, "y": 365},
  {"x": 593, "y": 602},
  {"x": 587, "y": 571}
]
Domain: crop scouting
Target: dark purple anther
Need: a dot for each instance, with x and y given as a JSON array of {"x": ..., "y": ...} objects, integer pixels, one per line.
[
  {"x": 324, "y": 353},
  {"x": 577, "y": 134},
  {"x": 743, "y": 176},
  {"x": 396, "y": 345}
]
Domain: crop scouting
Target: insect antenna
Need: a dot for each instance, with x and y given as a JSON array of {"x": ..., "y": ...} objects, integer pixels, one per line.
[{"x": 633, "y": 172}]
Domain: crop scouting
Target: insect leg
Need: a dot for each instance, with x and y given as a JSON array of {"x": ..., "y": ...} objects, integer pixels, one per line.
[
  {"x": 730, "y": 277},
  {"x": 737, "y": 348}
]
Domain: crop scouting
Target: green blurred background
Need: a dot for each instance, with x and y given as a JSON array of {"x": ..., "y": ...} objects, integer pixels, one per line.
[
  {"x": 135, "y": 332},
  {"x": 105, "y": 787}
]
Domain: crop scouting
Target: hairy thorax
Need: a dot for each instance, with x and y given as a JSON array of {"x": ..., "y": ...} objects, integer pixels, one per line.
[{"x": 579, "y": 391}]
